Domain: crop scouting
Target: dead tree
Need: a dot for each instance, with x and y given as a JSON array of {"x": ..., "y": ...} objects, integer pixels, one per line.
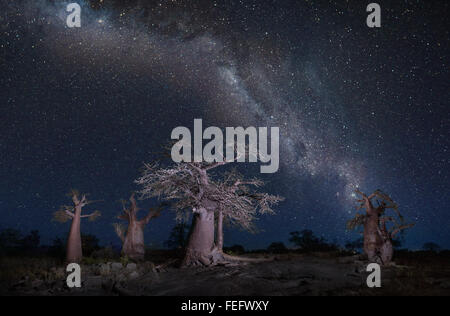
[
  {"x": 377, "y": 236},
  {"x": 133, "y": 238},
  {"x": 74, "y": 252},
  {"x": 189, "y": 186}
]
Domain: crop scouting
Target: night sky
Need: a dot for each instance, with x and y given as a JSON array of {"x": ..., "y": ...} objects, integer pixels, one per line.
[{"x": 357, "y": 107}]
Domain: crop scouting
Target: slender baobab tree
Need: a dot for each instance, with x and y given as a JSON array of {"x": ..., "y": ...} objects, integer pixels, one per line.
[
  {"x": 73, "y": 212},
  {"x": 190, "y": 187},
  {"x": 379, "y": 228},
  {"x": 133, "y": 237}
]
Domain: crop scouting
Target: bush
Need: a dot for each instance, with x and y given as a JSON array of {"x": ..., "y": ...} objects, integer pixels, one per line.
[
  {"x": 90, "y": 243},
  {"x": 308, "y": 242},
  {"x": 277, "y": 248},
  {"x": 235, "y": 250},
  {"x": 431, "y": 246},
  {"x": 106, "y": 253}
]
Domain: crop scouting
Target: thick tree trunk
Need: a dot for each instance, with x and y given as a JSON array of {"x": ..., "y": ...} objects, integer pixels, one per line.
[
  {"x": 74, "y": 249},
  {"x": 134, "y": 246},
  {"x": 219, "y": 244},
  {"x": 372, "y": 239},
  {"x": 200, "y": 246},
  {"x": 387, "y": 252},
  {"x": 386, "y": 248}
]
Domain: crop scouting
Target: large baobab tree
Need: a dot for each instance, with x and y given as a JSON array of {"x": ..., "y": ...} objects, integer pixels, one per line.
[
  {"x": 133, "y": 237},
  {"x": 74, "y": 252},
  {"x": 191, "y": 188},
  {"x": 379, "y": 229}
]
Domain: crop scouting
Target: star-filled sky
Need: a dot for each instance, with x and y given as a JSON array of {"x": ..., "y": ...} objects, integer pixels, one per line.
[{"x": 357, "y": 107}]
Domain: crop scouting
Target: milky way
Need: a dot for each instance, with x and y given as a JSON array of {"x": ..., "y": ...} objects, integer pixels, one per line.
[
  {"x": 338, "y": 91},
  {"x": 205, "y": 66}
]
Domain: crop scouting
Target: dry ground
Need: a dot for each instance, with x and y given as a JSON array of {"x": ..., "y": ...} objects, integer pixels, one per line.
[{"x": 291, "y": 274}]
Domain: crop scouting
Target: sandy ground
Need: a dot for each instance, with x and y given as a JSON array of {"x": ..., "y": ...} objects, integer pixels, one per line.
[{"x": 293, "y": 275}]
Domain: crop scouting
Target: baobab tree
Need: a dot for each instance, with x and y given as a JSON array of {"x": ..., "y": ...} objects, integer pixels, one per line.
[
  {"x": 189, "y": 186},
  {"x": 74, "y": 252},
  {"x": 379, "y": 228},
  {"x": 133, "y": 237}
]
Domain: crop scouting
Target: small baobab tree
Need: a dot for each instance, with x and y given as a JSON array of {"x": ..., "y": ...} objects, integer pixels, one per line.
[
  {"x": 74, "y": 252},
  {"x": 379, "y": 229},
  {"x": 190, "y": 187},
  {"x": 133, "y": 236}
]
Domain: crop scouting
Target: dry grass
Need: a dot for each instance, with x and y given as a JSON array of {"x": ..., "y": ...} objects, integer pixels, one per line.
[{"x": 14, "y": 269}]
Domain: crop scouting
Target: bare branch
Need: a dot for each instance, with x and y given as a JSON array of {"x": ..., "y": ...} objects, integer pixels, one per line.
[
  {"x": 356, "y": 222},
  {"x": 216, "y": 164},
  {"x": 120, "y": 231},
  {"x": 399, "y": 229},
  {"x": 188, "y": 186},
  {"x": 134, "y": 208},
  {"x": 92, "y": 217},
  {"x": 62, "y": 216},
  {"x": 153, "y": 213},
  {"x": 125, "y": 217}
]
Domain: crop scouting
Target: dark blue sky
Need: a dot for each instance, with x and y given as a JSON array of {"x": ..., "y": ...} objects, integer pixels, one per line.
[{"x": 357, "y": 107}]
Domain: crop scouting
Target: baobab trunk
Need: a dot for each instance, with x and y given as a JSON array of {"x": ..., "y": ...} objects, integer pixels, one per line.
[
  {"x": 372, "y": 240},
  {"x": 74, "y": 248},
  {"x": 133, "y": 246},
  {"x": 219, "y": 244},
  {"x": 387, "y": 252},
  {"x": 200, "y": 246}
]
